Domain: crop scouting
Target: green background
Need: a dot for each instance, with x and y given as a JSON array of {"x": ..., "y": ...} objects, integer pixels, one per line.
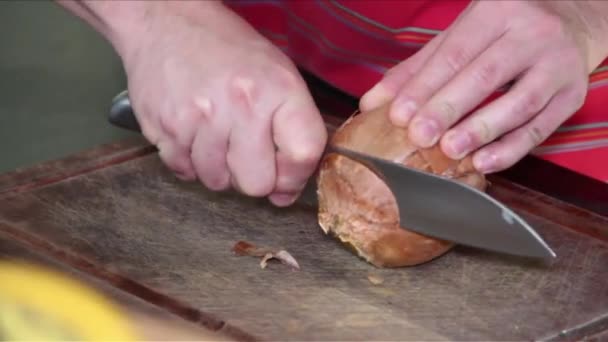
[{"x": 58, "y": 78}]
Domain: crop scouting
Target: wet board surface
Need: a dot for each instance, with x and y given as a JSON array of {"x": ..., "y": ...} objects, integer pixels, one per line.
[{"x": 117, "y": 214}]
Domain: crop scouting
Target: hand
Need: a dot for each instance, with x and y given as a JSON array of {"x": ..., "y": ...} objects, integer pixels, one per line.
[
  {"x": 222, "y": 104},
  {"x": 546, "y": 48}
]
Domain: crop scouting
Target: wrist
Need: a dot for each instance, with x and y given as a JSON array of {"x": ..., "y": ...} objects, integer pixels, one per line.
[
  {"x": 593, "y": 16},
  {"x": 127, "y": 24}
]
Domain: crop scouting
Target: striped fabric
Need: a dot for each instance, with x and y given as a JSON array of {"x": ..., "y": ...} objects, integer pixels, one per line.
[{"x": 350, "y": 44}]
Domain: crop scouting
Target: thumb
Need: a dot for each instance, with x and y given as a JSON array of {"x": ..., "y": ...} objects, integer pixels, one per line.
[
  {"x": 300, "y": 136},
  {"x": 398, "y": 76}
]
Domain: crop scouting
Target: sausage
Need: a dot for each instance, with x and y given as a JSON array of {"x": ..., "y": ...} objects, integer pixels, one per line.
[{"x": 357, "y": 207}]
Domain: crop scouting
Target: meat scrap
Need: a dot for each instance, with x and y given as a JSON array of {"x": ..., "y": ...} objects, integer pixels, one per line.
[
  {"x": 246, "y": 248},
  {"x": 243, "y": 248},
  {"x": 375, "y": 279}
]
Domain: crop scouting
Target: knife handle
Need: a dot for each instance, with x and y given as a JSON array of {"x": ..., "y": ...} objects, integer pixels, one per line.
[{"x": 121, "y": 113}]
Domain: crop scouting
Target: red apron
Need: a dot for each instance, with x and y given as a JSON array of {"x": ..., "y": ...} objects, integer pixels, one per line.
[{"x": 350, "y": 44}]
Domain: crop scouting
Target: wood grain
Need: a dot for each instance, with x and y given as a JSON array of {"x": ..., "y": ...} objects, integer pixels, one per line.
[
  {"x": 599, "y": 337},
  {"x": 134, "y": 220},
  {"x": 53, "y": 171}
]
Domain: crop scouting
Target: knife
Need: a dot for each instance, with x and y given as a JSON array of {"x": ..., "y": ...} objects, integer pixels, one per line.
[{"x": 460, "y": 213}]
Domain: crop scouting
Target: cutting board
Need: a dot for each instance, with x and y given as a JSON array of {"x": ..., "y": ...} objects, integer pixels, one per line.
[
  {"x": 146, "y": 320},
  {"x": 116, "y": 214}
]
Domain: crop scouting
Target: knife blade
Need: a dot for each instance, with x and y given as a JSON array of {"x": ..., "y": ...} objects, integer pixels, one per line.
[{"x": 460, "y": 213}]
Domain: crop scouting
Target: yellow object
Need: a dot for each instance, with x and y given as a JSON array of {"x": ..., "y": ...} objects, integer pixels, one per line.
[{"x": 37, "y": 304}]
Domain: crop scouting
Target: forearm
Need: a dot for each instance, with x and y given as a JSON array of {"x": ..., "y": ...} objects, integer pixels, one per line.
[{"x": 124, "y": 22}]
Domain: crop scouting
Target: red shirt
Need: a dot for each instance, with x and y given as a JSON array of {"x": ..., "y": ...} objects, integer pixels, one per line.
[{"x": 350, "y": 44}]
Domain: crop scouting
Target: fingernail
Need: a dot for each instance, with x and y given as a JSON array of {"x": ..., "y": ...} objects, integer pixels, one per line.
[
  {"x": 403, "y": 110},
  {"x": 485, "y": 162},
  {"x": 375, "y": 97},
  {"x": 458, "y": 144},
  {"x": 218, "y": 184},
  {"x": 183, "y": 177},
  {"x": 283, "y": 199},
  {"x": 424, "y": 132}
]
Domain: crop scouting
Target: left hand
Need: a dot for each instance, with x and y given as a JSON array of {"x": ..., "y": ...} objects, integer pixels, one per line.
[{"x": 547, "y": 48}]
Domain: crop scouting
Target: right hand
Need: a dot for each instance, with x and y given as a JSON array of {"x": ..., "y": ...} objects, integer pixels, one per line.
[{"x": 223, "y": 104}]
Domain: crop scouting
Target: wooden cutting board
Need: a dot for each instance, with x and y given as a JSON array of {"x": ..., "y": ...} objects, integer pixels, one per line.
[
  {"x": 146, "y": 320},
  {"x": 116, "y": 214}
]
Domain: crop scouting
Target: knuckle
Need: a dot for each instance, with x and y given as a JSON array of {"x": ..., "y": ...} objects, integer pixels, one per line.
[
  {"x": 487, "y": 75},
  {"x": 456, "y": 58},
  {"x": 306, "y": 155},
  {"x": 186, "y": 117},
  {"x": 242, "y": 88},
  {"x": 481, "y": 132},
  {"x": 419, "y": 90},
  {"x": 530, "y": 102},
  {"x": 203, "y": 109},
  {"x": 169, "y": 125},
  {"x": 449, "y": 113},
  {"x": 249, "y": 88},
  {"x": 535, "y": 135}
]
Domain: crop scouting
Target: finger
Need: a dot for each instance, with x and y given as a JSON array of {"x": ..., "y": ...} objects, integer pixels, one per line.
[
  {"x": 177, "y": 129},
  {"x": 513, "y": 146},
  {"x": 209, "y": 147},
  {"x": 251, "y": 153},
  {"x": 386, "y": 89},
  {"x": 524, "y": 100},
  {"x": 150, "y": 129},
  {"x": 173, "y": 155},
  {"x": 149, "y": 121},
  {"x": 479, "y": 80},
  {"x": 462, "y": 44},
  {"x": 288, "y": 190},
  {"x": 300, "y": 136},
  {"x": 183, "y": 122},
  {"x": 176, "y": 158}
]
